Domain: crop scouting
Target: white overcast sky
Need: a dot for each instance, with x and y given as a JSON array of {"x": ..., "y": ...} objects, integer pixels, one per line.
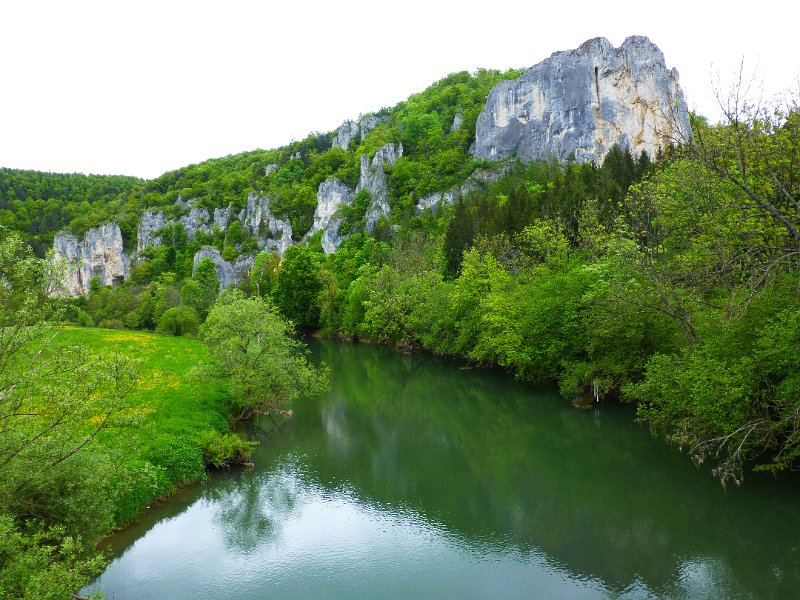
[{"x": 143, "y": 87}]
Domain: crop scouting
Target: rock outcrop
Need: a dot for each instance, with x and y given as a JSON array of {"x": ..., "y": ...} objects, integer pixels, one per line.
[
  {"x": 584, "y": 101},
  {"x": 479, "y": 178},
  {"x": 331, "y": 195},
  {"x": 228, "y": 274},
  {"x": 198, "y": 219},
  {"x": 149, "y": 223},
  {"x": 100, "y": 254},
  {"x": 270, "y": 232},
  {"x": 222, "y": 218},
  {"x": 350, "y": 129},
  {"x": 373, "y": 179}
]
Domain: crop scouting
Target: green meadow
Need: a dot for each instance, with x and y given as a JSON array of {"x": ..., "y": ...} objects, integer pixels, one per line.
[{"x": 173, "y": 404}]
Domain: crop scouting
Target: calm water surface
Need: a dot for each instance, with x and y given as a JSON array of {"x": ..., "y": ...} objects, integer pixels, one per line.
[{"x": 415, "y": 479}]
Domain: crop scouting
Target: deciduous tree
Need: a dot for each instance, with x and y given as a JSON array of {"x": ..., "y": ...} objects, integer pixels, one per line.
[{"x": 251, "y": 344}]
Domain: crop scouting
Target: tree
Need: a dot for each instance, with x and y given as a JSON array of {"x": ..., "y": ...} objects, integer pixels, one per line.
[
  {"x": 757, "y": 149},
  {"x": 297, "y": 286},
  {"x": 713, "y": 243},
  {"x": 54, "y": 401},
  {"x": 179, "y": 321},
  {"x": 264, "y": 271},
  {"x": 252, "y": 345},
  {"x": 202, "y": 289},
  {"x": 234, "y": 234}
]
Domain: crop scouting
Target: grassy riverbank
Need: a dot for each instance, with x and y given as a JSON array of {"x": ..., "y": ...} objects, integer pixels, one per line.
[
  {"x": 173, "y": 404},
  {"x": 97, "y": 424}
]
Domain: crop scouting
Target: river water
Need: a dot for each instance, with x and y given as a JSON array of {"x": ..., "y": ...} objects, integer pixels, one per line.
[{"x": 413, "y": 478}]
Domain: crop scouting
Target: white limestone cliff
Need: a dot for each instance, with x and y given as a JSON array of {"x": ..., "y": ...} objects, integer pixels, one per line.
[
  {"x": 584, "y": 101},
  {"x": 99, "y": 254}
]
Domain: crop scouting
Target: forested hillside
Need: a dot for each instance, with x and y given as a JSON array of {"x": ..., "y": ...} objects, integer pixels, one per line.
[
  {"x": 630, "y": 279},
  {"x": 39, "y": 204}
]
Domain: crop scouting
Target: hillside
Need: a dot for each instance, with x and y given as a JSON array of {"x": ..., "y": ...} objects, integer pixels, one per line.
[{"x": 565, "y": 222}]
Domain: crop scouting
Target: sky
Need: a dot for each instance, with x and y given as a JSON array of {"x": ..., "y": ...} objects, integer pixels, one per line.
[{"x": 143, "y": 87}]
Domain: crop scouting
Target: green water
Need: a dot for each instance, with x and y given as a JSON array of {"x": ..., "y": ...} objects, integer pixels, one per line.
[{"x": 415, "y": 479}]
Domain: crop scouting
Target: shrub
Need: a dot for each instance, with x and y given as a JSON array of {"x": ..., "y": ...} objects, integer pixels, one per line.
[{"x": 223, "y": 450}]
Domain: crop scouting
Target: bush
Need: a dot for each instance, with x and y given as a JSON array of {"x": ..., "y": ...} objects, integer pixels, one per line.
[
  {"x": 136, "y": 486},
  {"x": 43, "y": 562},
  {"x": 223, "y": 450},
  {"x": 179, "y": 321},
  {"x": 111, "y": 324}
]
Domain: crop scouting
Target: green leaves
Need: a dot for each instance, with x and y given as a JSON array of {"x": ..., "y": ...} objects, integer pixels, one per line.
[
  {"x": 43, "y": 563},
  {"x": 251, "y": 344},
  {"x": 225, "y": 450},
  {"x": 297, "y": 286}
]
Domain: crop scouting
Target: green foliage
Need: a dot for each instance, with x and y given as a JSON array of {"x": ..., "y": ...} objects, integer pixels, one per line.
[
  {"x": 353, "y": 216},
  {"x": 39, "y": 562},
  {"x": 435, "y": 157},
  {"x": 214, "y": 183},
  {"x": 547, "y": 191},
  {"x": 251, "y": 345},
  {"x": 181, "y": 459},
  {"x": 135, "y": 486},
  {"x": 264, "y": 272},
  {"x": 37, "y": 204},
  {"x": 200, "y": 292},
  {"x": 179, "y": 321},
  {"x": 234, "y": 235},
  {"x": 297, "y": 286},
  {"x": 222, "y": 450}
]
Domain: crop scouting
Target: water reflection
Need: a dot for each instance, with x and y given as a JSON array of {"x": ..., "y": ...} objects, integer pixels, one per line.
[{"x": 413, "y": 477}]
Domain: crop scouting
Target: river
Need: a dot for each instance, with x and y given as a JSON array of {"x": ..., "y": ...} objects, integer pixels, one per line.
[{"x": 413, "y": 478}]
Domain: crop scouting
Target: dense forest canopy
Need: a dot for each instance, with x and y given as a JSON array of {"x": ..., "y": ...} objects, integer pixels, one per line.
[{"x": 39, "y": 204}]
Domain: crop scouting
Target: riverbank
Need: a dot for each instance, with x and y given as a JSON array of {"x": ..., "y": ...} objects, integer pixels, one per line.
[
  {"x": 172, "y": 404},
  {"x": 101, "y": 425}
]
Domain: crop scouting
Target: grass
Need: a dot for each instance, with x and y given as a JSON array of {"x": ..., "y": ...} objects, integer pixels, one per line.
[{"x": 176, "y": 404}]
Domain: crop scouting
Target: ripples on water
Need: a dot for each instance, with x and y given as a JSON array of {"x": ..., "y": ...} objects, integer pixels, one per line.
[{"x": 412, "y": 479}]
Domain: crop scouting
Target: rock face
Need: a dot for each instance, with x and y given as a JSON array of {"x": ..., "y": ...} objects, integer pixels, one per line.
[
  {"x": 198, "y": 219},
  {"x": 373, "y": 179},
  {"x": 100, "y": 254},
  {"x": 228, "y": 274},
  {"x": 149, "y": 223},
  {"x": 331, "y": 195},
  {"x": 270, "y": 232},
  {"x": 349, "y": 129},
  {"x": 479, "y": 178},
  {"x": 584, "y": 101},
  {"x": 222, "y": 217}
]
